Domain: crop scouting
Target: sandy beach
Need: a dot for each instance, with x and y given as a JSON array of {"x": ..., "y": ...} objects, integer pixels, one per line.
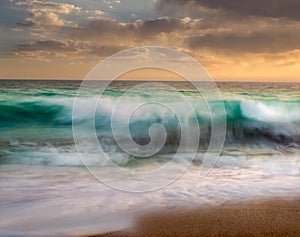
[{"x": 256, "y": 218}]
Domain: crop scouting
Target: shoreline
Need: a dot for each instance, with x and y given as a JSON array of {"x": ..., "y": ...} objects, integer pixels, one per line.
[{"x": 265, "y": 217}]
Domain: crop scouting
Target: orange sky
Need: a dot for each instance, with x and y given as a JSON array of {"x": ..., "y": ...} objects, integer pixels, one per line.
[{"x": 78, "y": 70}]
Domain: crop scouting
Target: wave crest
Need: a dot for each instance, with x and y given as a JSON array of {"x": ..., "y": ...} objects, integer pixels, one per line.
[{"x": 248, "y": 121}]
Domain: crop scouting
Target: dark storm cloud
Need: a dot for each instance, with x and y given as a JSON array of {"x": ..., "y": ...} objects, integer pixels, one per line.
[
  {"x": 257, "y": 41},
  {"x": 43, "y": 49},
  {"x": 108, "y": 29},
  {"x": 240, "y": 26},
  {"x": 163, "y": 25},
  {"x": 105, "y": 51},
  {"x": 265, "y": 8},
  {"x": 45, "y": 45},
  {"x": 27, "y": 23}
]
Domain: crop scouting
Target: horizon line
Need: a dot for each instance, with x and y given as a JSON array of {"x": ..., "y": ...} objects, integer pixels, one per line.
[{"x": 163, "y": 80}]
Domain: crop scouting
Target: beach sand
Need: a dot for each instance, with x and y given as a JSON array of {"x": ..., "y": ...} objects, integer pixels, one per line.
[{"x": 256, "y": 218}]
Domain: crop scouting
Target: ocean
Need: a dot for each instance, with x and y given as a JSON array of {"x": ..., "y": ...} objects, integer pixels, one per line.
[{"x": 52, "y": 183}]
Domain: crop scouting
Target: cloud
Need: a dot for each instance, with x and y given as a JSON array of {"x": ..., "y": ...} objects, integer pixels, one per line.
[
  {"x": 100, "y": 37},
  {"x": 107, "y": 36},
  {"x": 46, "y": 49},
  {"x": 264, "y": 8},
  {"x": 49, "y": 6},
  {"x": 215, "y": 30},
  {"x": 108, "y": 30},
  {"x": 239, "y": 26},
  {"x": 105, "y": 51},
  {"x": 162, "y": 25},
  {"x": 265, "y": 37},
  {"x": 290, "y": 58},
  {"x": 44, "y": 14},
  {"x": 38, "y": 20}
]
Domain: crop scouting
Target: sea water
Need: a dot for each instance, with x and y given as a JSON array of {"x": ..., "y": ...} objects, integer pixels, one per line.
[{"x": 47, "y": 188}]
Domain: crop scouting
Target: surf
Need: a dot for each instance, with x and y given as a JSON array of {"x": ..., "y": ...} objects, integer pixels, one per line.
[{"x": 247, "y": 120}]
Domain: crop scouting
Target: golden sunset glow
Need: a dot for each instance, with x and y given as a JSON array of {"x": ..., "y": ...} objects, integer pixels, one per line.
[
  {"x": 151, "y": 74},
  {"x": 233, "y": 40}
]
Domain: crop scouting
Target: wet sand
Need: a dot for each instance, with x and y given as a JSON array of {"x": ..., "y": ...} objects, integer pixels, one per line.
[{"x": 256, "y": 218}]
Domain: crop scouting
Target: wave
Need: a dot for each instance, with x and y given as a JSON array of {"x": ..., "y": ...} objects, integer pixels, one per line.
[
  {"x": 270, "y": 111},
  {"x": 248, "y": 121},
  {"x": 13, "y": 112},
  {"x": 263, "y": 160}
]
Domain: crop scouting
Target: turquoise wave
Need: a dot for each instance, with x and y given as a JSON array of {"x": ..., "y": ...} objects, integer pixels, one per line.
[
  {"x": 36, "y": 120},
  {"x": 247, "y": 120},
  {"x": 13, "y": 112}
]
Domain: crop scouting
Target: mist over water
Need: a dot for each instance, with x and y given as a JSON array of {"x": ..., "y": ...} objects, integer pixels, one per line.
[{"x": 42, "y": 175}]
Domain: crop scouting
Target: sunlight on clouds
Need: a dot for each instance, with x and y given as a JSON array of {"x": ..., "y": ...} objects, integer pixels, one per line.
[
  {"x": 242, "y": 42},
  {"x": 49, "y": 6},
  {"x": 44, "y": 14}
]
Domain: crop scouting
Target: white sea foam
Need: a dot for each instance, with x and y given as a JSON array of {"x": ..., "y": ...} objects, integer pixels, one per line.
[{"x": 280, "y": 112}]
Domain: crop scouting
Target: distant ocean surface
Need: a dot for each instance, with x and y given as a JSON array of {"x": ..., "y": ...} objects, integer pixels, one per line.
[{"x": 45, "y": 188}]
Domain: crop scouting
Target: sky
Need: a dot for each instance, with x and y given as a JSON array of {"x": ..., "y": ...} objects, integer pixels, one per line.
[{"x": 235, "y": 40}]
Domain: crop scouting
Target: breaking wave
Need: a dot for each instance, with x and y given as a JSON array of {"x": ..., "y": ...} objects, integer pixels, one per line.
[{"x": 248, "y": 121}]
